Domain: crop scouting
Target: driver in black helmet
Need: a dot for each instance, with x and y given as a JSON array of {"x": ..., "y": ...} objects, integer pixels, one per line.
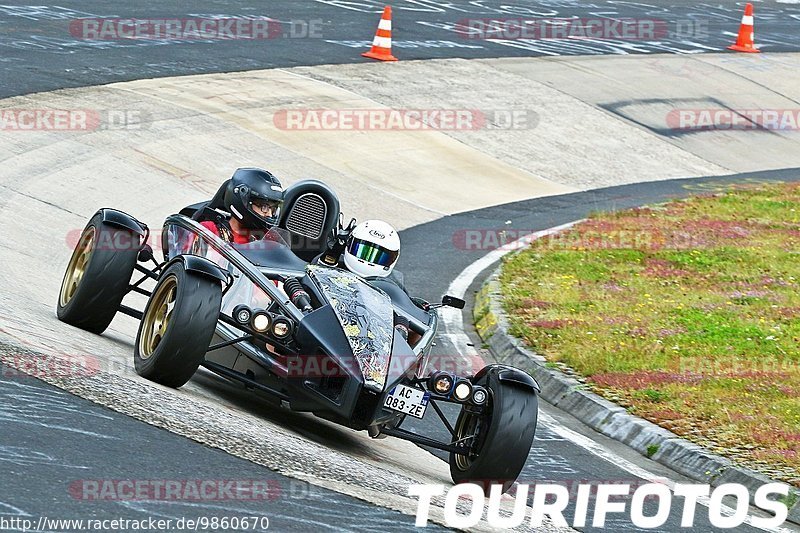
[{"x": 253, "y": 197}]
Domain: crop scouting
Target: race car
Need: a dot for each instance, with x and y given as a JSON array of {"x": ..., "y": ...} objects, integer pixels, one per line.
[{"x": 315, "y": 337}]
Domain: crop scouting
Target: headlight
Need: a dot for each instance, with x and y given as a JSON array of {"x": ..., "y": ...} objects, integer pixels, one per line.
[
  {"x": 261, "y": 321},
  {"x": 281, "y": 328},
  {"x": 479, "y": 395},
  {"x": 441, "y": 383},
  {"x": 242, "y": 314},
  {"x": 462, "y": 391}
]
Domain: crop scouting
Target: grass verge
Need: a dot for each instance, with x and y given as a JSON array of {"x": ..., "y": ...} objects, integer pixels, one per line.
[{"x": 685, "y": 313}]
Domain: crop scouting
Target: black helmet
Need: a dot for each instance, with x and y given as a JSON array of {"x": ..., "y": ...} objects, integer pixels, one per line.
[{"x": 249, "y": 186}]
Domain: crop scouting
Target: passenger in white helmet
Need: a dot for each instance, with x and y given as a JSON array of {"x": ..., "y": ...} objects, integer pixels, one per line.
[{"x": 372, "y": 249}]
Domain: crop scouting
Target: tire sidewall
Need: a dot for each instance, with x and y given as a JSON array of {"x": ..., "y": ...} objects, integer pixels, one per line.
[{"x": 499, "y": 461}]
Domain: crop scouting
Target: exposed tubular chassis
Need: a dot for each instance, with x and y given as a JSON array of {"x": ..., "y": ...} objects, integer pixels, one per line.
[{"x": 146, "y": 256}]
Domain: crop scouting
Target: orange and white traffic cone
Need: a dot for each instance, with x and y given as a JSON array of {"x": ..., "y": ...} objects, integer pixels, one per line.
[
  {"x": 382, "y": 44},
  {"x": 745, "y": 40}
]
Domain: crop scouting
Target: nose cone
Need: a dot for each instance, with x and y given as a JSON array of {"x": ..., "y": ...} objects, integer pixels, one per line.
[{"x": 366, "y": 317}]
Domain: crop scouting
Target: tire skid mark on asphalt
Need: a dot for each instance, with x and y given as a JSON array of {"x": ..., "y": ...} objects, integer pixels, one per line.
[
  {"x": 454, "y": 330},
  {"x": 22, "y": 404},
  {"x": 25, "y": 457}
]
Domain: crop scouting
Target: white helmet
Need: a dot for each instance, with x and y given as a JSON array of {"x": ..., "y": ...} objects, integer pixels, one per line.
[{"x": 372, "y": 249}]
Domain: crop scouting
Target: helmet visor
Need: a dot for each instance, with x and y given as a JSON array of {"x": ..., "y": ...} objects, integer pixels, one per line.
[
  {"x": 266, "y": 210},
  {"x": 372, "y": 253}
]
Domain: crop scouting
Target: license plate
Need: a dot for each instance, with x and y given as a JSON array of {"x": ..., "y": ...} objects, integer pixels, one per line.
[{"x": 407, "y": 400}]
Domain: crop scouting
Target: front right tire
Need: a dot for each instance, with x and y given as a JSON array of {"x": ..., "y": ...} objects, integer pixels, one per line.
[{"x": 177, "y": 326}]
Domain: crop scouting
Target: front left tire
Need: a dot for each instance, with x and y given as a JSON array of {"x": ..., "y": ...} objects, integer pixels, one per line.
[{"x": 503, "y": 435}]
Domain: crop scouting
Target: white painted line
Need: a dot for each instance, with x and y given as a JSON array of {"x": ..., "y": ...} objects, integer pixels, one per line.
[
  {"x": 452, "y": 318},
  {"x": 454, "y": 330}
]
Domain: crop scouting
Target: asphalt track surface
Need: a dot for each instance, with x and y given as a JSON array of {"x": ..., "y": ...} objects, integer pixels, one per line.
[
  {"x": 41, "y": 47},
  {"x": 65, "y": 438}
]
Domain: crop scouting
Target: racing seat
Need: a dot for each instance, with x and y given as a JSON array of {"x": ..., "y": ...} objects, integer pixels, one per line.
[{"x": 310, "y": 213}]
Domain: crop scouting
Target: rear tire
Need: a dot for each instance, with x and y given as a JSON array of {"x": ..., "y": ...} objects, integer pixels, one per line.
[
  {"x": 177, "y": 326},
  {"x": 97, "y": 276},
  {"x": 504, "y": 435}
]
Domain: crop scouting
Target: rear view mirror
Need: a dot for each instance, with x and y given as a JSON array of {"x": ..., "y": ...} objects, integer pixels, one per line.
[{"x": 452, "y": 301}]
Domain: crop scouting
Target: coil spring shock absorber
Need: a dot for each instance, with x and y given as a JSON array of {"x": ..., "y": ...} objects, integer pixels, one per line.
[
  {"x": 298, "y": 295},
  {"x": 401, "y": 325}
]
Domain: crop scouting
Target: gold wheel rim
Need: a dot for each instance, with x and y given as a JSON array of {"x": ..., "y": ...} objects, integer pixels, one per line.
[
  {"x": 77, "y": 266},
  {"x": 157, "y": 318}
]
